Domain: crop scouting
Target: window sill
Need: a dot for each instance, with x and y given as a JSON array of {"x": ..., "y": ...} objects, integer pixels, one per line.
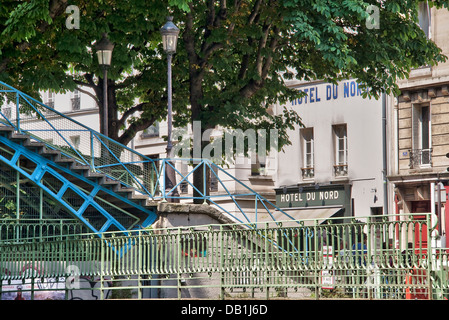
[
  {"x": 149, "y": 136},
  {"x": 423, "y": 169},
  {"x": 260, "y": 177},
  {"x": 420, "y": 72}
]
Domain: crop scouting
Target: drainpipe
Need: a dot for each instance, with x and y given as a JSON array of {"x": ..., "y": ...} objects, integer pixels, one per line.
[
  {"x": 384, "y": 151},
  {"x": 433, "y": 217}
]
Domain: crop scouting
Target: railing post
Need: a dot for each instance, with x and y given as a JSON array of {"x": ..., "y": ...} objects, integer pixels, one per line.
[
  {"x": 315, "y": 260},
  {"x": 32, "y": 275},
  {"x": 18, "y": 112},
  {"x": 368, "y": 266},
  {"x": 92, "y": 151},
  {"x": 102, "y": 267},
  {"x": 163, "y": 180},
  {"x": 204, "y": 182},
  {"x": 255, "y": 207},
  {"x": 431, "y": 253},
  {"x": 139, "y": 265},
  {"x": 221, "y": 267},
  {"x": 267, "y": 261},
  {"x": 178, "y": 263}
]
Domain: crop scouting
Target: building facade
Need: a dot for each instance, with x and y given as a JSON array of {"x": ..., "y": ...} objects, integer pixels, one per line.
[
  {"x": 419, "y": 126},
  {"x": 335, "y": 164}
]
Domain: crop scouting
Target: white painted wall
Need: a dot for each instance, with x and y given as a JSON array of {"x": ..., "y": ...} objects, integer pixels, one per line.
[{"x": 363, "y": 118}]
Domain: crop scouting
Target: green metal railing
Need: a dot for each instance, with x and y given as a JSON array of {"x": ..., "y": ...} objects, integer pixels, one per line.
[
  {"x": 23, "y": 230},
  {"x": 395, "y": 261}
]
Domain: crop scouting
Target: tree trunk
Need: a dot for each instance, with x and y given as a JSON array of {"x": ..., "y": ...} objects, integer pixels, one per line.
[{"x": 198, "y": 180}]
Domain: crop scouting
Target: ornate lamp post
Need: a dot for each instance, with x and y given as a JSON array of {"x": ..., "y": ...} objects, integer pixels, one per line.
[
  {"x": 169, "y": 34},
  {"x": 104, "y": 53}
]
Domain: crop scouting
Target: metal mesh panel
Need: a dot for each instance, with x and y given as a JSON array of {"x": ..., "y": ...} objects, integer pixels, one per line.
[{"x": 95, "y": 219}]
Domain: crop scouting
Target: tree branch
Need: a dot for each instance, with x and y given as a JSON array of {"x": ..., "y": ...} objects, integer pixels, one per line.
[
  {"x": 188, "y": 37},
  {"x": 130, "y": 111},
  {"x": 135, "y": 127},
  {"x": 262, "y": 44},
  {"x": 89, "y": 94}
]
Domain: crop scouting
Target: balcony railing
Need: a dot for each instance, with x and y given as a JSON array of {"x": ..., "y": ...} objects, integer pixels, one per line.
[
  {"x": 76, "y": 103},
  {"x": 308, "y": 173},
  {"x": 420, "y": 158},
  {"x": 340, "y": 170}
]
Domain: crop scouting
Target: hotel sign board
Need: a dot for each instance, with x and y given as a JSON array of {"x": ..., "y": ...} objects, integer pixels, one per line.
[{"x": 296, "y": 197}]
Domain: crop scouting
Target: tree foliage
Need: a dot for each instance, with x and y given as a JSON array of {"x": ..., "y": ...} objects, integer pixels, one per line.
[{"x": 232, "y": 60}]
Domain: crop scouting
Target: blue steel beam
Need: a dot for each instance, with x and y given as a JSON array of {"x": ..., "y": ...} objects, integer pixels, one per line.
[{"x": 44, "y": 165}]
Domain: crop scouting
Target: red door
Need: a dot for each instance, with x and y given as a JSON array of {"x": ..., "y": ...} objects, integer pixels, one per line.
[{"x": 417, "y": 276}]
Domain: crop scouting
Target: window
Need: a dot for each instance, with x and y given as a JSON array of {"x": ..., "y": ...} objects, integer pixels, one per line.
[
  {"x": 424, "y": 22},
  {"x": 151, "y": 131},
  {"x": 9, "y": 109},
  {"x": 258, "y": 166},
  {"x": 424, "y": 19},
  {"x": 49, "y": 99},
  {"x": 420, "y": 155},
  {"x": 184, "y": 185},
  {"x": 341, "y": 150},
  {"x": 76, "y": 100},
  {"x": 307, "y": 151},
  {"x": 75, "y": 141},
  {"x": 7, "y": 112},
  {"x": 214, "y": 179},
  {"x": 151, "y": 174}
]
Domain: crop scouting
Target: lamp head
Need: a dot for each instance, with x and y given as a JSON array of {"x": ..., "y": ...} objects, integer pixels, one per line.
[
  {"x": 169, "y": 34},
  {"x": 104, "y": 51}
]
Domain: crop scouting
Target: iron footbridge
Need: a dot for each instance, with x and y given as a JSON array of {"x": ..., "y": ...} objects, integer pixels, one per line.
[{"x": 105, "y": 185}]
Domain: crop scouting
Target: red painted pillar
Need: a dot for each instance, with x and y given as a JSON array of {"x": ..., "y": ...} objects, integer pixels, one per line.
[{"x": 446, "y": 215}]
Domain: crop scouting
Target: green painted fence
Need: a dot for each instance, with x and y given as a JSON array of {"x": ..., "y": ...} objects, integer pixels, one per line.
[{"x": 368, "y": 258}]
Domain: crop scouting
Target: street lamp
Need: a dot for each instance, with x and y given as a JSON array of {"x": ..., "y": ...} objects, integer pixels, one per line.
[
  {"x": 104, "y": 53},
  {"x": 169, "y": 34}
]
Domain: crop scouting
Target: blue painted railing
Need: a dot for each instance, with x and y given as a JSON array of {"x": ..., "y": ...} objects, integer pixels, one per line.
[{"x": 147, "y": 176}]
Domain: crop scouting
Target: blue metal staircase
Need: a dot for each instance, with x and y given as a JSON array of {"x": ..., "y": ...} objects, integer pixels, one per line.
[
  {"x": 83, "y": 183},
  {"x": 105, "y": 185},
  {"x": 73, "y": 185}
]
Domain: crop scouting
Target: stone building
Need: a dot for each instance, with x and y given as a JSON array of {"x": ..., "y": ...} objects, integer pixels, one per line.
[{"x": 419, "y": 133}]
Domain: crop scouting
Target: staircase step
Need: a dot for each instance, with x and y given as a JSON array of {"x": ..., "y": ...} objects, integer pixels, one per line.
[
  {"x": 5, "y": 130},
  {"x": 65, "y": 161},
  {"x": 50, "y": 152},
  {"x": 19, "y": 137},
  {"x": 34, "y": 144}
]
